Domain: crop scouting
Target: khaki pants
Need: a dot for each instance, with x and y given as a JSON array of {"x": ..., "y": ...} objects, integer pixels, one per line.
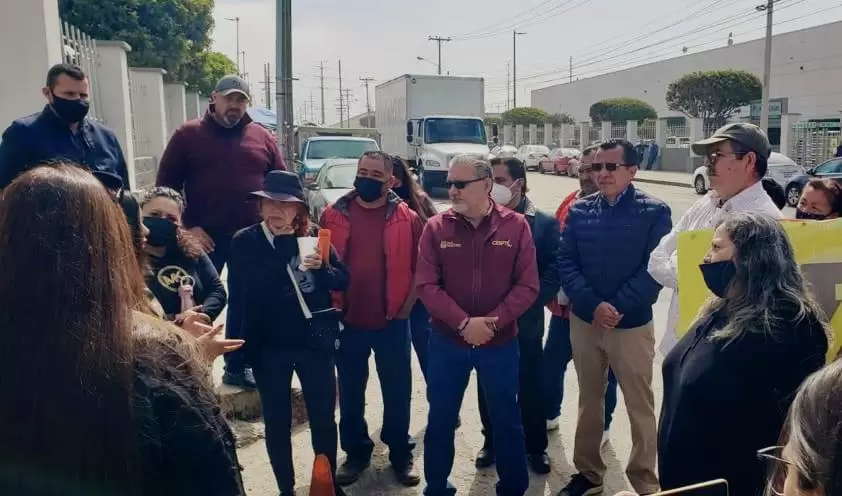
[{"x": 630, "y": 353}]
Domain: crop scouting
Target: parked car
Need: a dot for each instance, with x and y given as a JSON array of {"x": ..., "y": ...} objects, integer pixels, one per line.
[
  {"x": 781, "y": 168},
  {"x": 530, "y": 155},
  {"x": 573, "y": 167},
  {"x": 504, "y": 151},
  {"x": 334, "y": 180},
  {"x": 830, "y": 169},
  {"x": 558, "y": 160}
]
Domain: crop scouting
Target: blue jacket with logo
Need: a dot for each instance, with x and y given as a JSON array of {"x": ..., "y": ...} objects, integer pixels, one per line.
[
  {"x": 43, "y": 138},
  {"x": 605, "y": 253}
]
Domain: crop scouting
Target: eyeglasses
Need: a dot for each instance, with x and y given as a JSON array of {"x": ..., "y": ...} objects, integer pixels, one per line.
[
  {"x": 714, "y": 157},
  {"x": 777, "y": 469},
  {"x": 597, "y": 167},
  {"x": 462, "y": 184}
]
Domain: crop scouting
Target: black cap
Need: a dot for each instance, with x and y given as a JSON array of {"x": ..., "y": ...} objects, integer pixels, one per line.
[
  {"x": 108, "y": 179},
  {"x": 744, "y": 133},
  {"x": 233, "y": 84},
  {"x": 282, "y": 186}
]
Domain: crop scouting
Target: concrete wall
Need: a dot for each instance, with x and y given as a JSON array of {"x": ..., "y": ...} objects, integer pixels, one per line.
[
  {"x": 806, "y": 68},
  {"x": 31, "y": 44},
  {"x": 175, "y": 100},
  {"x": 115, "y": 95},
  {"x": 147, "y": 89},
  {"x": 192, "y": 105}
]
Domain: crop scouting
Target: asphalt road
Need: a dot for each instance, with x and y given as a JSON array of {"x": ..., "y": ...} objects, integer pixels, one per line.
[{"x": 546, "y": 192}]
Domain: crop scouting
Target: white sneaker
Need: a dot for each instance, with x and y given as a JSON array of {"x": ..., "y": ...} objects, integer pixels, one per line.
[
  {"x": 606, "y": 438},
  {"x": 552, "y": 425}
]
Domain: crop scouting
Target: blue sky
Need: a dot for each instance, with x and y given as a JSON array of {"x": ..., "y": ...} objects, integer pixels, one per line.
[{"x": 382, "y": 38}]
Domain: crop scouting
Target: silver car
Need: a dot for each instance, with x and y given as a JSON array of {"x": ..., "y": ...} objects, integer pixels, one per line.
[{"x": 335, "y": 180}]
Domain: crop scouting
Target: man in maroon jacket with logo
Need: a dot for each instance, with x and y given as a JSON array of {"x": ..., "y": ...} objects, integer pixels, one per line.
[
  {"x": 477, "y": 273},
  {"x": 217, "y": 161}
]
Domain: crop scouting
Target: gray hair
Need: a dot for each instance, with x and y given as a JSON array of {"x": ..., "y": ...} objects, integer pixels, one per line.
[
  {"x": 482, "y": 167},
  {"x": 813, "y": 430},
  {"x": 767, "y": 281}
]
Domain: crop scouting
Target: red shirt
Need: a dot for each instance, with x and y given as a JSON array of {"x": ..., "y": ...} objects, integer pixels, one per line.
[
  {"x": 488, "y": 270},
  {"x": 561, "y": 216},
  {"x": 366, "y": 295}
]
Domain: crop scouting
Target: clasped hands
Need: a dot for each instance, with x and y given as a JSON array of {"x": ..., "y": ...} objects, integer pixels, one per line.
[
  {"x": 606, "y": 316},
  {"x": 477, "y": 331}
]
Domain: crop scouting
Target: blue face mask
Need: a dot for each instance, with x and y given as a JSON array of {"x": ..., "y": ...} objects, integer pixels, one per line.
[{"x": 718, "y": 276}]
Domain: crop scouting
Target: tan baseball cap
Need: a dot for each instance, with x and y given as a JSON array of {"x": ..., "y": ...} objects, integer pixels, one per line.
[{"x": 744, "y": 133}]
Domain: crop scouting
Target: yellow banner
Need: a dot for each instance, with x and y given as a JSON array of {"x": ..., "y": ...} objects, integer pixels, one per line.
[{"x": 818, "y": 249}]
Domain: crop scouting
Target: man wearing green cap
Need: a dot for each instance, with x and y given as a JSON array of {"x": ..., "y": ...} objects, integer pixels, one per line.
[{"x": 736, "y": 160}]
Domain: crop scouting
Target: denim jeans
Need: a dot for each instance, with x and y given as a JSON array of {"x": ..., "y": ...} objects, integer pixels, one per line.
[
  {"x": 316, "y": 373},
  {"x": 557, "y": 354},
  {"x": 391, "y": 347},
  {"x": 419, "y": 327},
  {"x": 448, "y": 371}
]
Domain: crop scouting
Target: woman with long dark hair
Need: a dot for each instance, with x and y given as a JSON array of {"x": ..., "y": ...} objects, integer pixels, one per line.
[
  {"x": 409, "y": 190},
  {"x": 281, "y": 305},
  {"x": 176, "y": 260},
  {"x": 98, "y": 400},
  {"x": 728, "y": 383}
]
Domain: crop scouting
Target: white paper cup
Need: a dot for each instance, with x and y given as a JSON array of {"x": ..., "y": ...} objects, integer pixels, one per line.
[{"x": 306, "y": 246}]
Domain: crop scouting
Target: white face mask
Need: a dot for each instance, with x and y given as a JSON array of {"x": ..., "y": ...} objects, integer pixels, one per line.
[{"x": 501, "y": 194}]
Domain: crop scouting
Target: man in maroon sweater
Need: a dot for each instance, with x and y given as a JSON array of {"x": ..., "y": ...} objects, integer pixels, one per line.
[
  {"x": 477, "y": 273},
  {"x": 217, "y": 161}
]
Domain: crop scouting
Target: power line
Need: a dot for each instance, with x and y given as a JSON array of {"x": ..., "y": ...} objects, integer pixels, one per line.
[
  {"x": 439, "y": 40},
  {"x": 538, "y": 18}
]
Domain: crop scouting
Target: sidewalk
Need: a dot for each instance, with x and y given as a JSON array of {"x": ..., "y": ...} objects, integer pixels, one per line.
[{"x": 667, "y": 178}]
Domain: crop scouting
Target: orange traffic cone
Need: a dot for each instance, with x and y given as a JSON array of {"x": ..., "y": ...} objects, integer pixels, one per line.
[{"x": 321, "y": 483}]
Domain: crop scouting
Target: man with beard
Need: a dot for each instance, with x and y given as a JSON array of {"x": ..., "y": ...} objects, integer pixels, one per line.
[
  {"x": 62, "y": 131},
  {"x": 557, "y": 349},
  {"x": 217, "y": 161}
]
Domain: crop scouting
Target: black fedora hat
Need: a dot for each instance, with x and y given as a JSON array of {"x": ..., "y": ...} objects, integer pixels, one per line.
[{"x": 282, "y": 186}]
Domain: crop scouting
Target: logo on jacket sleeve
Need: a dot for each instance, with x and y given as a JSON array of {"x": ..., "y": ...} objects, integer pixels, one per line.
[
  {"x": 450, "y": 244},
  {"x": 502, "y": 242}
]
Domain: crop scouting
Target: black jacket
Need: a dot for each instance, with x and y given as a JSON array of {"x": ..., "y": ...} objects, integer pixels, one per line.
[
  {"x": 165, "y": 279},
  {"x": 186, "y": 446},
  {"x": 547, "y": 238},
  {"x": 263, "y": 307},
  {"x": 43, "y": 137},
  {"x": 722, "y": 402}
]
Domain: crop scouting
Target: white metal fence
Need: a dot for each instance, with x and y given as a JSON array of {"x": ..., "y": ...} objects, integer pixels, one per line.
[
  {"x": 647, "y": 130},
  {"x": 811, "y": 143},
  {"x": 79, "y": 49},
  {"x": 618, "y": 130}
]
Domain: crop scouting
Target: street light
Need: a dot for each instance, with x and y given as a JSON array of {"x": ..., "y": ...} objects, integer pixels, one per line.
[
  {"x": 236, "y": 20},
  {"x": 515, "y": 34},
  {"x": 422, "y": 59}
]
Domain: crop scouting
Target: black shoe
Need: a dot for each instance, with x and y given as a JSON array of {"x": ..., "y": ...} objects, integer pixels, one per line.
[
  {"x": 350, "y": 471},
  {"x": 407, "y": 475},
  {"x": 540, "y": 463},
  {"x": 579, "y": 485},
  {"x": 288, "y": 493},
  {"x": 485, "y": 457},
  {"x": 243, "y": 380}
]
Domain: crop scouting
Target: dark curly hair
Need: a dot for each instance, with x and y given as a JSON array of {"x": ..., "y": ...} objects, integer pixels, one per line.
[{"x": 185, "y": 242}]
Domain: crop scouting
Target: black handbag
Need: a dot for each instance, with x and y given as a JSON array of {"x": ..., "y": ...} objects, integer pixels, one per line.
[{"x": 324, "y": 325}]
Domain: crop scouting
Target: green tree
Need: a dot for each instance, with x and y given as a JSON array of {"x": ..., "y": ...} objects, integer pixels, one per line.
[
  {"x": 162, "y": 33},
  {"x": 490, "y": 121},
  {"x": 713, "y": 96},
  {"x": 204, "y": 69},
  {"x": 524, "y": 116},
  {"x": 561, "y": 118},
  {"x": 621, "y": 110}
]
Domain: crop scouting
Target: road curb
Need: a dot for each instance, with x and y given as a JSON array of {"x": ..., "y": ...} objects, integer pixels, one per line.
[{"x": 664, "y": 182}]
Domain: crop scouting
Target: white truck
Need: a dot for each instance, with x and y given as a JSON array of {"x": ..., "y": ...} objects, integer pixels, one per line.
[
  {"x": 316, "y": 145},
  {"x": 427, "y": 120}
]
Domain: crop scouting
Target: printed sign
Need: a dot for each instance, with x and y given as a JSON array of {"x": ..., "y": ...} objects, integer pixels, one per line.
[{"x": 818, "y": 249}]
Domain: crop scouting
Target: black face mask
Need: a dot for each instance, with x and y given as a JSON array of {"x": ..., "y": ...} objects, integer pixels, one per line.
[
  {"x": 800, "y": 214},
  {"x": 402, "y": 191},
  {"x": 369, "y": 189},
  {"x": 70, "y": 111},
  {"x": 718, "y": 276},
  {"x": 162, "y": 232}
]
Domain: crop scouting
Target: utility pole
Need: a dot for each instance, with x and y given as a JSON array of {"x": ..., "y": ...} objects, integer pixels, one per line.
[
  {"x": 439, "y": 40},
  {"x": 571, "y": 68},
  {"x": 515, "y": 34},
  {"x": 312, "y": 107},
  {"x": 367, "y": 101},
  {"x": 341, "y": 102},
  {"x": 244, "y": 74},
  {"x": 508, "y": 84},
  {"x": 767, "y": 65},
  {"x": 322, "y": 85},
  {"x": 348, "y": 105},
  {"x": 236, "y": 21},
  {"x": 283, "y": 71},
  {"x": 267, "y": 85}
]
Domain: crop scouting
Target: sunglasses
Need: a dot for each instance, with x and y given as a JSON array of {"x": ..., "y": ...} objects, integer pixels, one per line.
[
  {"x": 462, "y": 184},
  {"x": 597, "y": 167}
]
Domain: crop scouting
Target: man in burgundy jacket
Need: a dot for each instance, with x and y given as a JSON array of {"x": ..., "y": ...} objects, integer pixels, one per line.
[
  {"x": 217, "y": 161},
  {"x": 477, "y": 273}
]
